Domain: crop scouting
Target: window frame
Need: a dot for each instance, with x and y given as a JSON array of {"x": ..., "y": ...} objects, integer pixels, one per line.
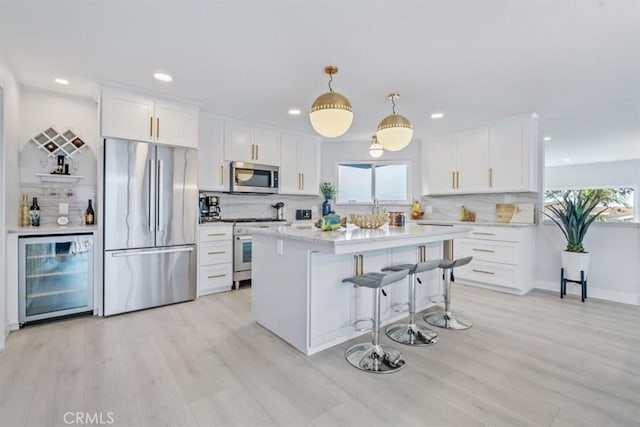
[
  {"x": 636, "y": 199},
  {"x": 375, "y": 163}
]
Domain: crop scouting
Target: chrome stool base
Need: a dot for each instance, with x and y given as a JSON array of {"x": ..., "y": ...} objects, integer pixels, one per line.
[
  {"x": 412, "y": 334},
  {"x": 379, "y": 359},
  {"x": 447, "y": 320}
]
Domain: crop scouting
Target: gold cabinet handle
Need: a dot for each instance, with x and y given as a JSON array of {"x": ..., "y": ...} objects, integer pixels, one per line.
[
  {"x": 221, "y": 174},
  {"x": 422, "y": 253},
  {"x": 302, "y": 181},
  {"x": 151, "y": 127},
  {"x": 298, "y": 181},
  {"x": 457, "y": 180},
  {"x": 216, "y": 234},
  {"x": 453, "y": 179},
  {"x": 217, "y": 252},
  {"x": 484, "y": 250},
  {"x": 216, "y": 276},
  {"x": 483, "y": 271},
  {"x": 490, "y": 177},
  {"x": 253, "y": 151},
  {"x": 478, "y": 233},
  {"x": 257, "y": 152},
  {"x": 158, "y": 127}
]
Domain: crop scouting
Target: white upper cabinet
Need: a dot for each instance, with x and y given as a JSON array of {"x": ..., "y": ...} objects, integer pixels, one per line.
[
  {"x": 300, "y": 165},
  {"x": 499, "y": 157},
  {"x": 213, "y": 171},
  {"x": 472, "y": 165},
  {"x": 439, "y": 165},
  {"x": 245, "y": 143},
  {"x": 137, "y": 117}
]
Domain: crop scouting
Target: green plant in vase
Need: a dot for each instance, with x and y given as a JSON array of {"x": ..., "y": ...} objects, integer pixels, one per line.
[{"x": 328, "y": 190}]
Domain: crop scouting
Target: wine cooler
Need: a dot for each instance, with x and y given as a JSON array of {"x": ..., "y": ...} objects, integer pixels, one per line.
[{"x": 56, "y": 276}]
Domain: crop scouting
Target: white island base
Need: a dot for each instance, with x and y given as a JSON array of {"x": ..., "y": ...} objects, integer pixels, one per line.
[{"x": 297, "y": 290}]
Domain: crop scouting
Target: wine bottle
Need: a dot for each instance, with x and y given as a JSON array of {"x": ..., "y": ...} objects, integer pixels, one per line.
[
  {"x": 35, "y": 213},
  {"x": 89, "y": 215},
  {"x": 25, "y": 216}
]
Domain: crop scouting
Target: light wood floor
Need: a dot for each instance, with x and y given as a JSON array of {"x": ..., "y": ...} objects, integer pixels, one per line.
[{"x": 528, "y": 361}]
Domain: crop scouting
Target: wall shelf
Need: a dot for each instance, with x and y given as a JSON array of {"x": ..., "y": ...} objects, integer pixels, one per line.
[{"x": 51, "y": 177}]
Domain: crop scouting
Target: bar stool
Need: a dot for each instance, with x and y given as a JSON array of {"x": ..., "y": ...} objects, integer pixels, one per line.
[
  {"x": 373, "y": 357},
  {"x": 447, "y": 319},
  {"x": 410, "y": 333}
]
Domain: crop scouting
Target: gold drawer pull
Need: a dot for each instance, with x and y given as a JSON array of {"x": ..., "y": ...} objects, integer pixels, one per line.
[
  {"x": 216, "y": 234},
  {"x": 216, "y": 276},
  {"x": 482, "y": 271},
  {"x": 477, "y": 233},
  {"x": 217, "y": 252},
  {"x": 483, "y": 250}
]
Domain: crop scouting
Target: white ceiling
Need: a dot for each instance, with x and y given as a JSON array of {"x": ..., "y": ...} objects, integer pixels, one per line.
[{"x": 574, "y": 62}]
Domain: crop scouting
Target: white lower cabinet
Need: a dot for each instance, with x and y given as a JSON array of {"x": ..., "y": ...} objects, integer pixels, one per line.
[
  {"x": 503, "y": 258},
  {"x": 215, "y": 258}
]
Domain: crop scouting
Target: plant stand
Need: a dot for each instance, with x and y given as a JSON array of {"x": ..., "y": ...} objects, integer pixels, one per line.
[{"x": 582, "y": 282}]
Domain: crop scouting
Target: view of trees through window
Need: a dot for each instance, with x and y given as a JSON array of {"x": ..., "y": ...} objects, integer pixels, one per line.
[{"x": 617, "y": 203}]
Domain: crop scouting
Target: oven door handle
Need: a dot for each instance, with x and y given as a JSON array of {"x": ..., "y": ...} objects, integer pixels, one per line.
[{"x": 243, "y": 237}]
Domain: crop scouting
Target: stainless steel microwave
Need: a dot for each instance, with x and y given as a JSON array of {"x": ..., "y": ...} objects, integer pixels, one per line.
[{"x": 253, "y": 178}]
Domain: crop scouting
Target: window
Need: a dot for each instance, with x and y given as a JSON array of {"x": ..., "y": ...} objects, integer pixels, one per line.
[
  {"x": 618, "y": 205},
  {"x": 361, "y": 182}
]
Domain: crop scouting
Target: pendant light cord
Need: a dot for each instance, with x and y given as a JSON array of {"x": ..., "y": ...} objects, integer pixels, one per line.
[
  {"x": 330, "y": 80},
  {"x": 393, "y": 101}
]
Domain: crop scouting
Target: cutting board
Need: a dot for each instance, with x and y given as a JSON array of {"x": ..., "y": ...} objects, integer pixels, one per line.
[{"x": 521, "y": 213}]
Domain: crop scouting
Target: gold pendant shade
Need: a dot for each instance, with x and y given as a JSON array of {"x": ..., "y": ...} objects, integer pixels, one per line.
[
  {"x": 331, "y": 114},
  {"x": 394, "y": 131}
]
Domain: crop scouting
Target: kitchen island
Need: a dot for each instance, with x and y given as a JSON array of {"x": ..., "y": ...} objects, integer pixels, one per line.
[{"x": 297, "y": 290}]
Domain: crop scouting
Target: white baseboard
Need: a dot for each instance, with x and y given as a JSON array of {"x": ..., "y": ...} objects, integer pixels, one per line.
[{"x": 604, "y": 294}]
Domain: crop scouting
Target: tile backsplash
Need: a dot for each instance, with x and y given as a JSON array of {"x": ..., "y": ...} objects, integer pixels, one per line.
[
  {"x": 484, "y": 205},
  {"x": 50, "y": 196}
]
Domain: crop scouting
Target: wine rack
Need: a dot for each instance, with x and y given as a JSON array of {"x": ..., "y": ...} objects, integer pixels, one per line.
[{"x": 55, "y": 143}]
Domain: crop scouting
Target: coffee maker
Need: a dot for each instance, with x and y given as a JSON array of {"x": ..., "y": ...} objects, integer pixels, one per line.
[{"x": 209, "y": 207}]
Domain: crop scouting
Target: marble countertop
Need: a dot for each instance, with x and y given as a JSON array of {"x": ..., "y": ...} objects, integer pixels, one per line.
[
  {"x": 364, "y": 239},
  {"x": 53, "y": 229},
  {"x": 471, "y": 224}
]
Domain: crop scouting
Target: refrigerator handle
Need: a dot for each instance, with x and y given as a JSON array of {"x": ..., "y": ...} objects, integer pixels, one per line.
[
  {"x": 152, "y": 252},
  {"x": 150, "y": 194},
  {"x": 159, "y": 195}
]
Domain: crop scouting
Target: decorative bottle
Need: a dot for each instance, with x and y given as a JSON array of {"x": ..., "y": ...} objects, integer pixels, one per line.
[
  {"x": 326, "y": 207},
  {"x": 34, "y": 212},
  {"x": 89, "y": 215},
  {"x": 25, "y": 216}
]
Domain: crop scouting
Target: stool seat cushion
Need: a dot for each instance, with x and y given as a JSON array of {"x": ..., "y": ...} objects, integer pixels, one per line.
[
  {"x": 415, "y": 268},
  {"x": 377, "y": 280},
  {"x": 447, "y": 263}
]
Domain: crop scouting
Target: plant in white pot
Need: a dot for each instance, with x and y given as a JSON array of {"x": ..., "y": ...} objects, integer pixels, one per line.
[{"x": 574, "y": 212}]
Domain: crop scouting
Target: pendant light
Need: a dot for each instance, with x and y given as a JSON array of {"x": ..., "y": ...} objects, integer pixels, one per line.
[
  {"x": 331, "y": 114},
  {"x": 375, "y": 149},
  {"x": 394, "y": 131}
]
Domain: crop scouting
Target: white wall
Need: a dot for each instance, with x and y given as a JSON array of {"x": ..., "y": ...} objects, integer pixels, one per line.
[
  {"x": 8, "y": 168},
  {"x": 614, "y": 270},
  {"x": 334, "y": 152}
]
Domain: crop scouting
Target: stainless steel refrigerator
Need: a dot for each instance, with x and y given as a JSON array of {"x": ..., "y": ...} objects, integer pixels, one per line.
[{"x": 150, "y": 216}]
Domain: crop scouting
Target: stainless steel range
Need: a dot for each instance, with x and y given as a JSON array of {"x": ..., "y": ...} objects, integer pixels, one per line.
[{"x": 242, "y": 244}]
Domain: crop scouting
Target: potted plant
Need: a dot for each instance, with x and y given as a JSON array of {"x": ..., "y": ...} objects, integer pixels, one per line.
[
  {"x": 328, "y": 190},
  {"x": 574, "y": 212}
]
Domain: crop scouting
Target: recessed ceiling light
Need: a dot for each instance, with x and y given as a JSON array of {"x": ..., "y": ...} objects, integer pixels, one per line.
[
  {"x": 437, "y": 115},
  {"x": 567, "y": 160},
  {"x": 62, "y": 81},
  {"x": 295, "y": 111},
  {"x": 546, "y": 138},
  {"x": 162, "y": 77}
]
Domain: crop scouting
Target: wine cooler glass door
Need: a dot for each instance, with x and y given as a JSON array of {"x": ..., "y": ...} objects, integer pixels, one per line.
[{"x": 56, "y": 276}]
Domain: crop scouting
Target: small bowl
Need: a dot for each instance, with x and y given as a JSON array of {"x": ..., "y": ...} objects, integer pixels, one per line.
[{"x": 368, "y": 220}]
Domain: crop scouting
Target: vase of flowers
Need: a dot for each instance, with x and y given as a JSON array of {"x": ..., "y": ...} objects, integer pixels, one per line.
[{"x": 328, "y": 190}]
